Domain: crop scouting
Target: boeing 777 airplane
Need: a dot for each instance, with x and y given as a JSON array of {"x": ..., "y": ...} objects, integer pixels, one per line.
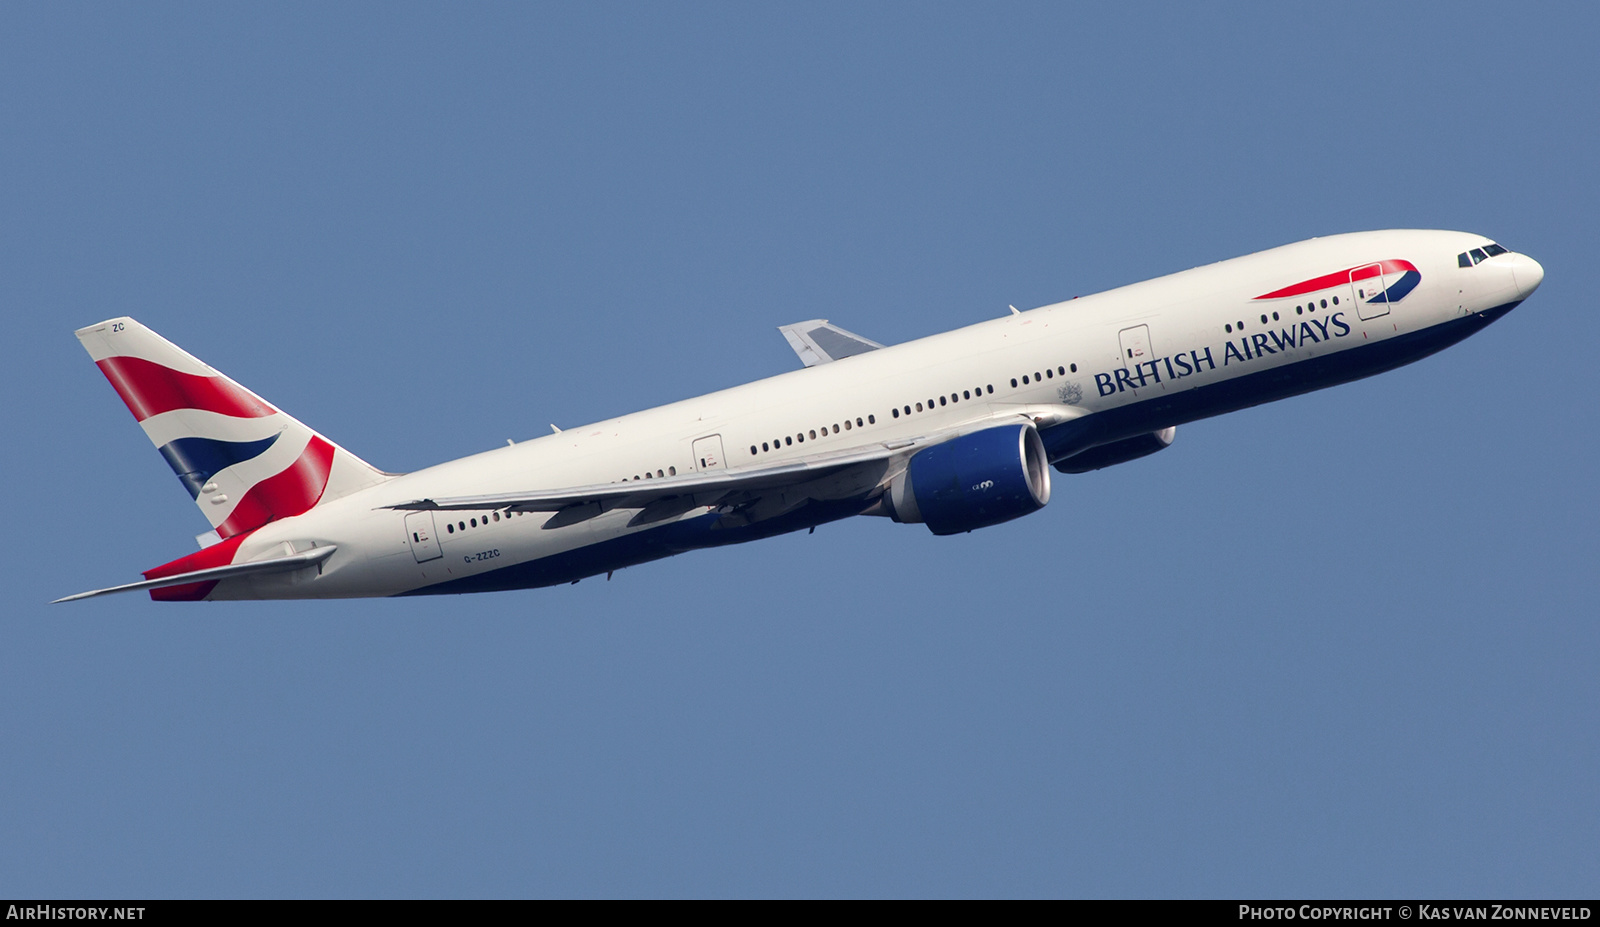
[{"x": 956, "y": 431}]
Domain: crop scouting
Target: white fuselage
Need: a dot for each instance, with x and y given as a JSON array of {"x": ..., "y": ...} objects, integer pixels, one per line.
[{"x": 1090, "y": 371}]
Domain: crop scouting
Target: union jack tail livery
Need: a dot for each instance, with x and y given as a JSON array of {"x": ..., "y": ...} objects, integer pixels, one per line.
[{"x": 244, "y": 462}]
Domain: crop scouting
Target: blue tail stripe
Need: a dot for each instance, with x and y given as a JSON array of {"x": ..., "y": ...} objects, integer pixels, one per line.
[
  {"x": 197, "y": 460},
  {"x": 1408, "y": 281}
]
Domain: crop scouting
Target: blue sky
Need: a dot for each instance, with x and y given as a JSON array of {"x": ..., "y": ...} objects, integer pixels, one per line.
[{"x": 1342, "y": 645}]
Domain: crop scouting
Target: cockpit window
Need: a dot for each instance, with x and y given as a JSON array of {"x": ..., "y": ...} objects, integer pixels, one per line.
[{"x": 1479, "y": 255}]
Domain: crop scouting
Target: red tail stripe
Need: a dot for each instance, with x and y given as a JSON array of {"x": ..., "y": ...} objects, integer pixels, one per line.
[
  {"x": 214, "y": 556},
  {"x": 150, "y": 389},
  {"x": 292, "y": 491},
  {"x": 188, "y": 592},
  {"x": 1334, "y": 279},
  {"x": 295, "y": 489}
]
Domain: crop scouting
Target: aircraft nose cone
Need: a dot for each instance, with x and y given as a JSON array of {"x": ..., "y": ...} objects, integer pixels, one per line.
[{"x": 1528, "y": 274}]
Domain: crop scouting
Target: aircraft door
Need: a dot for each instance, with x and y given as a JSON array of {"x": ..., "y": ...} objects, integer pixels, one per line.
[
  {"x": 708, "y": 453},
  {"x": 1136, "y": 353},
  {"x": 419, "y": 534},
  {"x": 1366, "y": 283}
]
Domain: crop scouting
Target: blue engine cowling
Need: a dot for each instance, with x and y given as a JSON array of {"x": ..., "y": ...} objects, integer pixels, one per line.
[{"x": 973, "y": 481}]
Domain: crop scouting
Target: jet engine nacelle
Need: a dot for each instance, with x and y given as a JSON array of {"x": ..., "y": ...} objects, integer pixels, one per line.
[
  {"x": 973, "y": 481},
  {"x": 1116, "y": 452}
]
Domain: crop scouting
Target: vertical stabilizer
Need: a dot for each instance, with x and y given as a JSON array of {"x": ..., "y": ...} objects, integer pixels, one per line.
[{"x": 243, "y": 461}]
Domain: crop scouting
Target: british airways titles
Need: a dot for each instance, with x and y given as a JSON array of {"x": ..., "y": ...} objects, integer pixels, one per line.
[{"x": 1255, "y": 347}]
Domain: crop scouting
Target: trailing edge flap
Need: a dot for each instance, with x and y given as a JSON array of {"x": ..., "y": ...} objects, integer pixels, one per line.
[
  {"x": 231, "y": 571},
  {"x": 640, "y": 493},
  {"x": 817, "y": 342}
]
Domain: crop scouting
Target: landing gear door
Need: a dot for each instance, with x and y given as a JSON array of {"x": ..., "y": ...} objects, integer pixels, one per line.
[
  {"x": 708, "y": 453},
  {"x": 419, "y": 534},
  {"x": 1366, "y": 288}
]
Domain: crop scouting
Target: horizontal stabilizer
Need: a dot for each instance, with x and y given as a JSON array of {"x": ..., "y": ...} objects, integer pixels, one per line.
[
  {"x": 231, "y": 571},
  {"x": 818, "y": 342}
]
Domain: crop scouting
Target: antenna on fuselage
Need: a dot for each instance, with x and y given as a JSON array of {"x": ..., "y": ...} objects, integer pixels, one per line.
[{"x": 1013, "y": 310}]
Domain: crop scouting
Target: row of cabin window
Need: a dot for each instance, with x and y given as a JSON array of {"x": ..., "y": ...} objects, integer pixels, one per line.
[
  {"x": 1047, "y": 375},
  {"x": 1298, "y": 310},
  {"x": 670, "y": 471},
  {"x": 462, "y": 525},
  {"x": 953, "y": 398},
  {"x": 789, "y": 441},
  {"x": 980, "y": 391}
]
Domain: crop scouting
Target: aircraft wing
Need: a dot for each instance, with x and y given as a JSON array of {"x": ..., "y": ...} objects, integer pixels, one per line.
[
  {"x": 232, "y": 570},
  {"x": 818, "y": 342},
  {"x": 640, "y": 493},
  {"x": 662, "y": 495}
]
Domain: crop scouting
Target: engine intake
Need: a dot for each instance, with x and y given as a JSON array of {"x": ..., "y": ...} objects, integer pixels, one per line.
[{"x": 973, "y": 481}]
